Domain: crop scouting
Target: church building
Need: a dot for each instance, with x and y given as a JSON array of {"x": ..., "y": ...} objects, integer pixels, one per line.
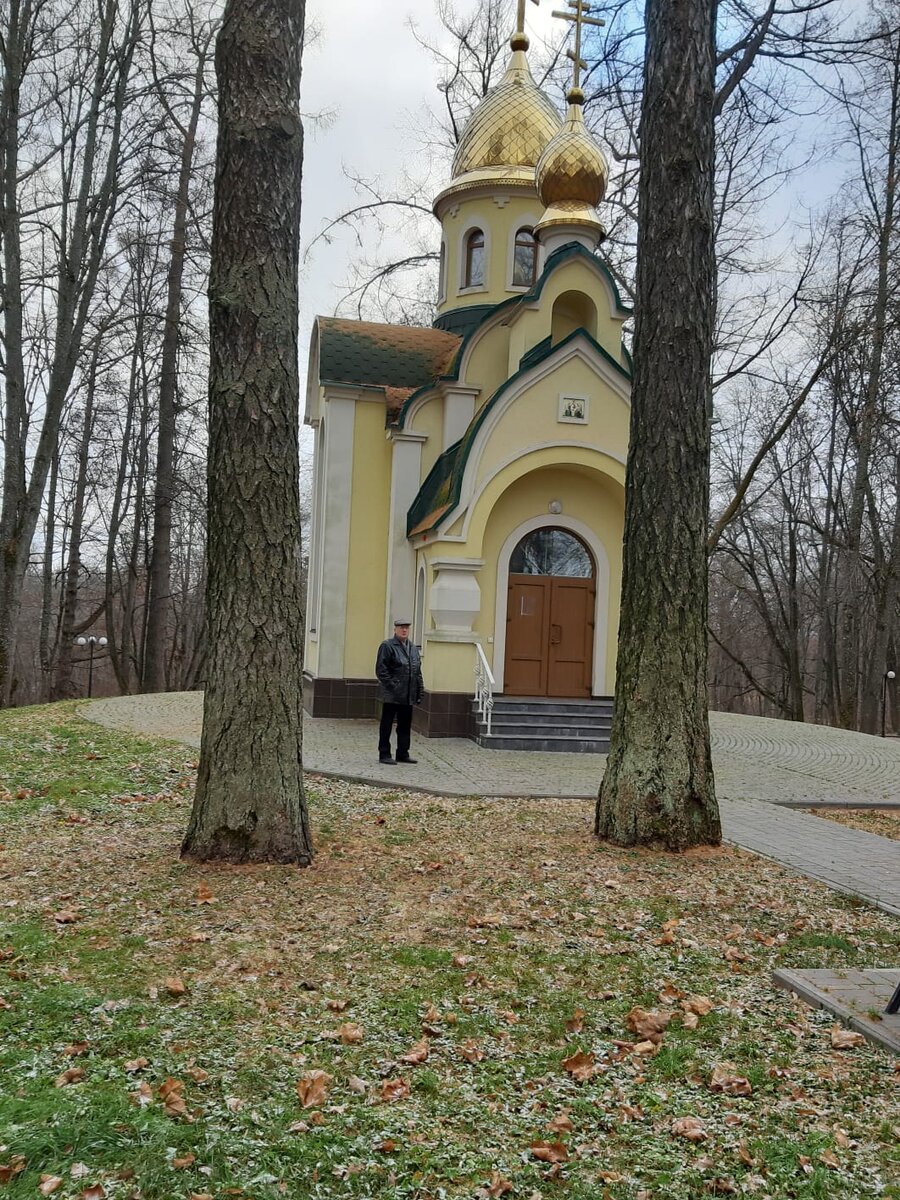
[{"x": 470, "y": 476}]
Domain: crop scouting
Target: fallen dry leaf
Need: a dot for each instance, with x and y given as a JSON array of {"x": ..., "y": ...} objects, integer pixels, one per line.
[
  {"x": 135, "y": 1064},
  {"x": 204, "y": 894},
  {"x": 174, "y": 986},
  {"x": 180, "y": 1164},
  {"x": 349, "y": 1034},
  {"x": 648, "y": 1025},
  {"x": 690, "y": 1128},
  {"x": 170, "y": 1094},
  {"x": 336, "y": 1005},
  {"x": 462, "y": 960},
  {"x": 312, "y": 1088},
  {"x": 197, "y": 1074},
  {"x": 830, "y": 1159},
  {"x": 580, "y": 1066},
  {"x": 94, "y": 1192},
  {"x": 575, "y": 1023},
  {"x": 550, "y": 1152},
  {"x": 845, "y": 1039},
  {"x": 498, "y": 1186},
  {"x": 73, "y": 1075},
  {"x": 75, "y": 1048},
  {"x": 701, "y": 1005},
  {"x": 725, "y": 1079},
  {"x": 49, "y": 1184},
  {"x": 65, "y": 917},
  {"x": 143, "y": 1096},
  {"x": 15, "y": 1166},
  {"x": 471, "y": 1051},
  {"x": 417, "y": 1054},
  {"x": 394, "y": 1089},
  {"x": 561, "y": 1123}
]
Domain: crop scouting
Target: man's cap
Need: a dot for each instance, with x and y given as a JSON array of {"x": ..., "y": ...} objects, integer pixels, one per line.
[{"x": 401, "y": 621}]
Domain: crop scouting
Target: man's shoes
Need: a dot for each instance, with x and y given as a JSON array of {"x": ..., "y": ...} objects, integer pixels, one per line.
[
  {"x": 385, "y": 758},
  {"x": 407, "y": 760}
]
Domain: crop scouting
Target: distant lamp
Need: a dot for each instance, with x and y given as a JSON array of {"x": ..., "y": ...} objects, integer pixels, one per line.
[
  {"x": 888, "y": 677},
  {"x": 91, "y": 642}
]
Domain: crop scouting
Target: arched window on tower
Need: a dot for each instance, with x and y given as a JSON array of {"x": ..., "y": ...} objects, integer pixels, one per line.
[
  {"x": 524, "y": 259},
  {"x": 474, "y": 276}
]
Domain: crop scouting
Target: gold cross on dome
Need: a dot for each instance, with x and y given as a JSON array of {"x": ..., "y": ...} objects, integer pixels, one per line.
[
  {"x": 579, "y": 18},
  {"x": 520, "y": 15}
]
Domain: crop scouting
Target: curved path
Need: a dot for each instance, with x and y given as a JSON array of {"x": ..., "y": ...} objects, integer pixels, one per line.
[{"x": 763, "y": 769}]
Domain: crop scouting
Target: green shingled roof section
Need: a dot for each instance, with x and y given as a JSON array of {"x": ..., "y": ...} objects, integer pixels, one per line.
[
  {"x": 556, "y": 259},
  {"x": 385, "y": 356},
  {"x": 440, "y": 492}
]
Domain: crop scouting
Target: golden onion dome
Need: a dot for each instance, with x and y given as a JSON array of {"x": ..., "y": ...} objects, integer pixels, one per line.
[
  {"x": 508, "y": 131},
  {"x": 572, "y": 173}
]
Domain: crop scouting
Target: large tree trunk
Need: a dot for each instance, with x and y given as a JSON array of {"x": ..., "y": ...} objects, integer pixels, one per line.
[
  {"x": 658, "y": 787},
  {"x": 250, "y": 803}
]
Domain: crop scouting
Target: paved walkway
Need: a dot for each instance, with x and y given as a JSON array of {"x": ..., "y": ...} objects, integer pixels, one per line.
[{"x": 763, "y": 768}]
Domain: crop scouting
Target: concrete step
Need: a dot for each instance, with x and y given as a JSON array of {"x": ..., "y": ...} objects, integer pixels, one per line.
[
  {"x": 552, "y": 745},
  {"x": 546, "y": 728},
  {"x": 538, "y": 707}
]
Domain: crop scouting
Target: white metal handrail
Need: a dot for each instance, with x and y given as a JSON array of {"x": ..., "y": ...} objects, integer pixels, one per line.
[{"x": 484, "y": 687}]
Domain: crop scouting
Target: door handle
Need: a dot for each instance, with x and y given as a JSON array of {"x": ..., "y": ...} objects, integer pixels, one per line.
[{"x": 555, "y": 635}]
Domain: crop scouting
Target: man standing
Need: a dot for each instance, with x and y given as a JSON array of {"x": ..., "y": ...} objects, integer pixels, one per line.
[{"x": 399, "y": 670}]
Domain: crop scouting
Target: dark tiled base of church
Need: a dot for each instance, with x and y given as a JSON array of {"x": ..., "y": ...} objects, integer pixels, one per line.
[
  {"x": 353, "y": 699},
  {"x": 441, "y": 714},
  {"x": 445, "y": 714}
]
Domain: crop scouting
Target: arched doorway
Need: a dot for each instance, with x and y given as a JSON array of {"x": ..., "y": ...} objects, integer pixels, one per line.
[{"x": 549, "y": 616}]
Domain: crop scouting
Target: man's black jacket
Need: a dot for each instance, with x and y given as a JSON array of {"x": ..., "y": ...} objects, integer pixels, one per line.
[{"x": 399, "y": 670}]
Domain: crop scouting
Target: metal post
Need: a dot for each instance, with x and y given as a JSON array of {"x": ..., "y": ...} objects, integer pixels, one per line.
[
  {"x": 888, "y": 676},
  {"x": 90, "y": 666}
]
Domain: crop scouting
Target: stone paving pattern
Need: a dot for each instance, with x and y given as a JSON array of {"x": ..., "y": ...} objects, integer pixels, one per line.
[
  {"x": 764, "y": 768},
  {"x": 858, "y": 997}
]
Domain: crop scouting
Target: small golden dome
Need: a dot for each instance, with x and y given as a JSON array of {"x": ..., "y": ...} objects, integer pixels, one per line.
[
  {"x": 572, "y": 173},
  {"x": 511, "y": 126}
]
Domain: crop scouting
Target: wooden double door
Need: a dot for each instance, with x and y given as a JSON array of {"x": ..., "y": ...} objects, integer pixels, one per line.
[{"x": 549, "y": 636}]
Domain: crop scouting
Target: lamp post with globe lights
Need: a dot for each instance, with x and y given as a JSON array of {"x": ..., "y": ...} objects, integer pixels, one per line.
[
  {"x": 888, "y": 676},
  {"x": 91, "y": 642}
]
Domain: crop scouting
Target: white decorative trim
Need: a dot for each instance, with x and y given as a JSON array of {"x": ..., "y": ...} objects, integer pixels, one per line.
[
  {"x": 314, "y": 583},
  {"x": 406, "y": 470},
  {"x": 574, "y": 409},
  {"x": 601, "y": 596}
]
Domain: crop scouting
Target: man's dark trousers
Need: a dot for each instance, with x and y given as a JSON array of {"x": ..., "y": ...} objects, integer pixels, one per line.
[{"x": 403, "y": 715}]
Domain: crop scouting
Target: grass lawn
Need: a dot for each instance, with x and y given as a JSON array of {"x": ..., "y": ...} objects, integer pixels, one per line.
[{"x": 461, "y": 998}]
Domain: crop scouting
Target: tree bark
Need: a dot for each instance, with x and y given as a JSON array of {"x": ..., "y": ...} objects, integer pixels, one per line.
[
  {"x": 658, "y": 787},
  {"x": 250, "y": 804}
]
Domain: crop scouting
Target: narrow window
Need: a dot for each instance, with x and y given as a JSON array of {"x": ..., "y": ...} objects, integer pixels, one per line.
[
  {"x": 525, "y": 259},
  {"x": 442, "y": 272},
  {"x": 474, "y": 259}
]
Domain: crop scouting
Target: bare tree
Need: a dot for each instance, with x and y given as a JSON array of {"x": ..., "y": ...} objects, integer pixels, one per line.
[
  {"x": 658, "y": 786},
  {"x": 250, "y": 802}
]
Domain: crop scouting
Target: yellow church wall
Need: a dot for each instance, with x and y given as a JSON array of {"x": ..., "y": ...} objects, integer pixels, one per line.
[
  {"x": 429, "y": 419},
  {"x": 535, "y": 324},
  {"x": 591, "y": 488},
  {"x": 588, "y": 496},
  {"x": 498, "y": 225},
  {"x": 532, "y": 418},
  {"x": 369, "y": 531}
]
